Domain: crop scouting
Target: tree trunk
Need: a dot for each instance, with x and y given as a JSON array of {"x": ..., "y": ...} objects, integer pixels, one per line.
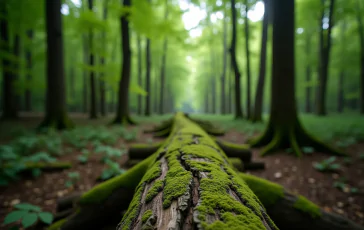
[
  {"x": 28, "y": 56},
  {"x": 56, "y": 108},
  {"x": 85, "y": 78},
  {"x": 230, "y": 88},
  {"x": 93, "y": 103},
  {"x": 147, "y": 80},
  {"x": 361, "y": 37},
  {"x": 102, "y": 62},
  {"x": 248, "y": 75},
  {"x": 284, "y": 129},
  {"x": 259, "y": 94},
  {"x": 324, "y": 62},
  {"x": 224, "y": 65},
  {"x": 238, "y": 108},
  {"x": 140, "y": 72},
  {"x": 340, "y": 95},
  {"x": 308, "y": 73},
  {"x": 207, "y": 107},
  {"x": 163, "y": 67},
  {"x": 8, "y": 98},
  {"x": 213, "y": 95},
  {"x": 122, "y": 113},
  {"x": 16, "y": 70}
]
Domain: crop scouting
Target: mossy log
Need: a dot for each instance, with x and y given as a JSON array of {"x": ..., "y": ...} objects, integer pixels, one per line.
[
  {"x": 290, "y": 211},
  {"x": 189, "y": 183},
  {"x": 235, "y": 150},
  {"x": 142, "y": 151}
]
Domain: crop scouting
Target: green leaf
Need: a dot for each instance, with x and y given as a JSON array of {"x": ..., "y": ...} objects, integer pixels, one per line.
[
  {"x": 319, "y": 166},
  {"x": 29, "y": 219},
  {"x": 46, "y": 217},
  {"x": 335, "y": 166},
  {"x": 308, "y": 150},
  {"x": 27, "y": 206},
  {"x": 14, "y": 216},
  {"x": 354, "y": 190},
  {"x": 82, "y": 159},
  {"x": 68, "y": 183},
  {"x": 36, "y": 172}
]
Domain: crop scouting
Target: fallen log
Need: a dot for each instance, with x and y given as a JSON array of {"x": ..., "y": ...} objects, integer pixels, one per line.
[
  {"x": 189, "y": 183},
  {"x": 142, "y": 151}
]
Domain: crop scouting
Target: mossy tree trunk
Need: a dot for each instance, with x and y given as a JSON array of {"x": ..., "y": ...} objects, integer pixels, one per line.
[
  {"x": 325, "y": 47},
  {"x": 238, "y": 108},
  {"x": 28, "y": 56},
  {"x": 56, "y": 109},
  {"x": 122, "y": 113},
  {"x": 259, "y": 94},
  {"x": 284, "y": 128}
]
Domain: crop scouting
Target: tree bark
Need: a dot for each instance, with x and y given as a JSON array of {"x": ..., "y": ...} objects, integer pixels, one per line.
[
  {"x": 308, "y": 73},
  {"x": 93, "y": 103},
  {"x": 85, "y": 79},
  {"x": 238, "y": 108},
  {"x": 361, "y": 39},
  {"x": 15, "y": 67},
  {"x": 284, "y": 129},
  {"x": 324, "y": 61},
  {"x": 259, "y": 94},
  {"x": 56, "y": 108},
  {"x": 224, "y": 65},
  {"x": 147, "y": 111},
  {"x": 28, "y": 56},
  {"x": 140, "y": 72},
  {"x": 230, "y": 88},
  {"x": 102, "y": 62},
  {"x": 8, "y": 98},
  {"x": 248, "y": 75},
  {"x": 340, "y": 95},
  {"x": 122, "y": 113}
]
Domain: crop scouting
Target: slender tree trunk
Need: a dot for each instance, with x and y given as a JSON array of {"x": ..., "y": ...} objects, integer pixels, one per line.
[
  {"x": 28, "y": 56},
  {"x": 93, "y": 103},
  {"x": 56, "y": 108},
  {"x": 15, "y": 67},
  {"x": 230, "y": 88},
  {"x": 147, "y": 80},
  {"x": 140, "y": 72},
  {"x": 324, "y": 62},
  {"x": 340, "y": 95},
  {"x": 248, "y": 75},
  {"x": 224, "y": 65},
  {"x": 213, "y": 95},
  {"x": 163, "y": 66},
  {"x": 155, "y": 98},
  {"x": 238, "y": 108},
  {"x": 85, "y": 74},
  {"x": 72, "y": 84},
  {"x": 122, "y": 113},
  {"x": 102, "y": 62},
  {"x": 259, "y": 94},
  {"x": 361, "y": 37},
  {"x": 308, "y": 73},
  {"x": 206, "y": 101}
]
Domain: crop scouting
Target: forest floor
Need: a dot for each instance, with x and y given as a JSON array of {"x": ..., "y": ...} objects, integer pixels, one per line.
[{"x": 89, "y": 146}]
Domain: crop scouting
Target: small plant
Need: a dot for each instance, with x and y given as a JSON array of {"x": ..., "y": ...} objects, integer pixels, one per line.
[
  {"x": 348, "y": 160},
  {"x": 344, "y": 187},
  {"x": 28, "y": 214},
  {"x": 112, "y": 170},
  {"x": 109, "y": 152},
  {"x": 346, "y": 142},
  {"x": 84, "y": 157},
  {"x": 308, "y": 150},
  {"x": 131, "y": 135},
  {"x": 327, "y": 165},
  {"x": 73, "y": 178},
  {"x": 150, "y": 141},
  {"x": 361, "y": 156}
]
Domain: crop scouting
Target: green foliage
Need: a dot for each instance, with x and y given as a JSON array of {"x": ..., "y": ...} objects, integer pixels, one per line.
[
  {"x": 327, "y": 165},
  {"x": 113, "y": 169},
  {"x": 344, "y": 187},
  {"x": 28, "y": 214},
  {"x": 109, "y": 152},
  {"x": 73, "y": 178}
]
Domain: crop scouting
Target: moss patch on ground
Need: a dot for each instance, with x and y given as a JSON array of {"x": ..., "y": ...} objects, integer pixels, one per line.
[
  {"x": 57, "y": 225},
  {"x": 304, "y": 205}
]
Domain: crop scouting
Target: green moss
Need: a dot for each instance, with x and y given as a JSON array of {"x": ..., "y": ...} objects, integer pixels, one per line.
[
  {"x": 235, "y": 146},
  {"x": 146, "y": 215},
  {"x": 154, "y": 190},
  {"x": 129, "y": 180},
  {"x": 153, "y": 172},
  {"x": 57, "y": 225},
  {"x": 307, "y": 206},
  {"x": 267, "y": 192},
  {"x": 235, "y": 222},
  {"x": 177, "y": 179}
]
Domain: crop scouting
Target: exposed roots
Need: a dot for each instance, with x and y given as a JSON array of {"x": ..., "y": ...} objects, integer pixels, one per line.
[
  {"x": 124, "y": 120},
  {"x": 295, "y": 137},
  {"x": 60, "y": 122}
]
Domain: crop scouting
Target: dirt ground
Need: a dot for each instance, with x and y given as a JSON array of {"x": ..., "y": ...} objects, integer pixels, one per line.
[{"x": 295, "y": 174}]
